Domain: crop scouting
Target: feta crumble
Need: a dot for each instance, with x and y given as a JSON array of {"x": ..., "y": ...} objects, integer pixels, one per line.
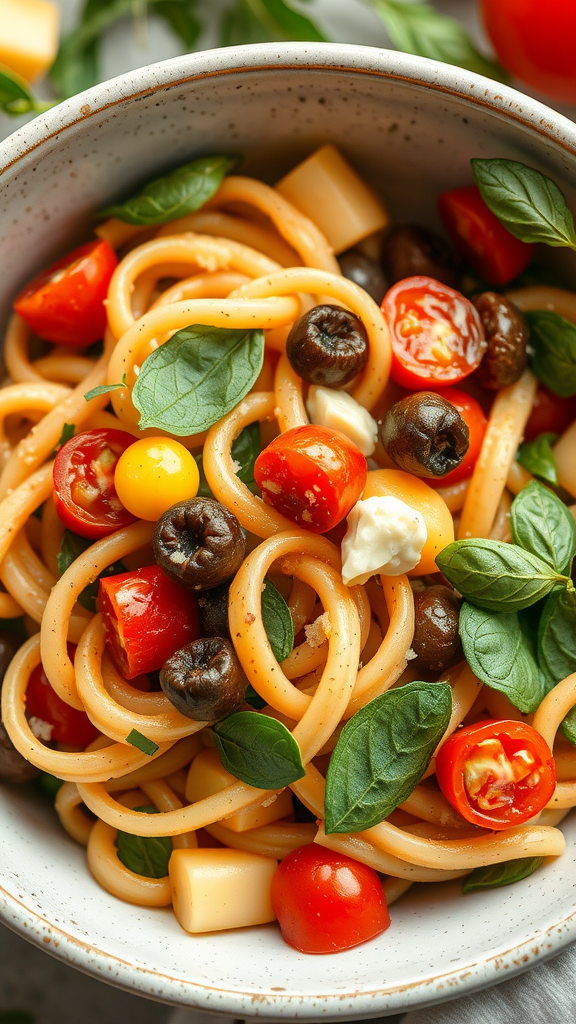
[
  {"x": 385, "y": 535},
  {"x": 339, "y": 411}
]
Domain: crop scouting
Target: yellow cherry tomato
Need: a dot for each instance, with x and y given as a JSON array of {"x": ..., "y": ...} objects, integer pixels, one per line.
[
  {"x": 417, "y": 494},
  {"x": 153, "y": 474}
]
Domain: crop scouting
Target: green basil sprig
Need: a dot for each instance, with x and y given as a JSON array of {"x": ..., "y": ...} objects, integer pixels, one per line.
[
  {"x": 141, "y": 742},
  {"x": 103, "y": 389},
  {"x": 502, "y": 656},
  {"x": 197, "y": 377},
  {"x": 538, "y": 458},
  {"x": 245, "y": 450},
  {"x": 553, "y": 342},
  {"x": 16, "y": 97},
  {"x": 258, "y": 750},
  {"x": 382, "y": 754},
  {"x": 542, "y": 524},
  {"x": 277, "y": 621},
  {"x": 68, "y": 431},
  {"x": 71, "y": 546},
  {"x": 145, "y": 855},
  {"x": 262, "y": 21},
  {"x": 174, "y": 195},
  {"x": 493, "y": 876},
  {"x": 529, "y": 204}
]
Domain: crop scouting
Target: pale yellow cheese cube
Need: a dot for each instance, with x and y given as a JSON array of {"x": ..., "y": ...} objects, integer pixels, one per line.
[
  {"x": 28, "y": 36},
  {"x": 217, "y": 889},
  {"x": 208, "y": 776},
  {"x": 327, "y": 190}
]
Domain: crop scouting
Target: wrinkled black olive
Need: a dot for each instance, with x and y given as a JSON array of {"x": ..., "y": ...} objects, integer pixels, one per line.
[
  {"x": 425, "y": 434},
  {"x": 411, "y": 251},
  {"x": 328, "y": 346},
  {"x": 364, "y": 272},
  {"x": 204, "y": 680},
  {"x": 13, "y": 767},
  {"x": 506, "y": 331},
  {"x": 436, "y": 639},
  {"x": 213, "y": 609},
  {"x": 199, "y": 543}
]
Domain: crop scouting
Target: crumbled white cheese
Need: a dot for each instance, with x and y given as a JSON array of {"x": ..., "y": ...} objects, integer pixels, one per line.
[
  {"x": 411, "y": 654},
  {"x": 41, "y": 730},
  {"x": 385, "y": 535},
  {"x": 339, "y": 411}
]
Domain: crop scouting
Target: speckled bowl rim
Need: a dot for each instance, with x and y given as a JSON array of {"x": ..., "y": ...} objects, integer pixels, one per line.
[{"x": 552, "y": 127}]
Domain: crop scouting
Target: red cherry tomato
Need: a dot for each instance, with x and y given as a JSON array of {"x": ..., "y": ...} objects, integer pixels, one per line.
[
  {"x": 534, "y": 39},
  {"x": 312, "y": 475},
  {"x": 478, "y": 234},
  {"x": 65, "y": 303},
  {"x": 84, "y": 492},
  {"x": 550, "y": 414},
  {"x": 496, "y": 774},
  {"x": 437, "y": 336},
  {"x": 147, "y": 618},
  {"x": 326, "y": 902},
  {"x": 69, "y": 726},
  {"x": 474, "y": 418}
]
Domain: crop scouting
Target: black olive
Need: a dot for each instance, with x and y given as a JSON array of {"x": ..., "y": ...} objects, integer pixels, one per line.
[
  {"x": 364, "y": 272},
  {"x": 199, "y": 543},
  {"x": 328, "y": 346},
  {"x": 204, "y": 680},
  {"x": 411, "y": 251},
  {"x": 506, "y": 357},
  {"x": 13, "y": 766},
  {"x": 436, "y": 640},
  {"x": 213, "y": 609},
  {"x": 425, "y": 434}
]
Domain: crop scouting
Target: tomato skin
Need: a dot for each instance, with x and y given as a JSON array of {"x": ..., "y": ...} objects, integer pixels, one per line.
[
  {"x": 70, "y": 726},
  {"x": 514, "y": 736},
  {"x": 65, "y": 303},
  {"x": 550, "y": 414},
  {"x": 472, "y": 413},
  {"x": 534, "y": 39},
  {"x": 326, "y": 902},
  {"x": 312, "y": 475},
  {"x": 437, "y": 335},
  {"x": 85, "y": 462},
  {"x": 147, "y": 618},
  {"x": 478, "y": 234}
]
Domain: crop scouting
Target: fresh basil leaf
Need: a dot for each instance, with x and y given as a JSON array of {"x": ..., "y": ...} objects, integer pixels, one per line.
[
  {"x": 182, "y": 18},
  {"x": 538, "y": 458},
  {"x": 142, "y": 742},
  {"x": 76, "y": 64},
  {"x": 495, "y": 575},
  {"x": 493, "y": 876},
  {"x": 262, "y": 21},
  {"x": 254, "y": 699},
  {"x": 68, "y": 431},
  {"x": 16, "y": 97},
  {"x": 277, "y": 621},
  {"x": 245, "y": 450},
  {"x": 197, "y": 377},
  {"x": 382, "y": 753},
  {"x": 258, "y": 750},
  {"x": 556, "y": 637},
  {"x": 71, "y": 546},
  {"x": 542, "y": 524},
  {"x": 419, "y": 28},
  {"x": 529, "y": 204},
  {"x": 175, "y": 194},
  {"x": 553, "y": 341},
  {"x": 102, "y": 389},
  {"x": 502, "y": 656},
  {"x": 145, "y": 855}
]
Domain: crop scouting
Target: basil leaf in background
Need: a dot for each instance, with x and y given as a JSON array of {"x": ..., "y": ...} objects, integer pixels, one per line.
[
  {"x": 419, "y": 28},
  {"x": 145, "y": 855},
  {"x": 182, "y": 17},
  {"x": 68, "y": 431},
  {"x": 245, "y": 450},
  {"x": 258, "y": 750},
  {"x": 277, "y": 621},
  {"x": 49, "y": 786},
  {"x": 71, "y": 546},
  {"x": 197, "y": 377},
  {"x": 553, "y": 341},
  {"x": 16, "y": 97},
  {"x": 136, "y": 739},
  {"x": 541, "y": 523},
  {"x": 175, "y": 194},
  {"x": 262, "y": 21},
  {"x": 502, "y": 656},
  {"x": 103, "y": 389},
  {"x": 382, "y": 753},
  {"x": 538, "y": 458},
  {"x": 493, "y": 876},
  {"x": 557, "y": 637},
  {"x": 497, "y": 576},
  {"x": 253, "y": 698},
  {"x": 529, "y": 204}
]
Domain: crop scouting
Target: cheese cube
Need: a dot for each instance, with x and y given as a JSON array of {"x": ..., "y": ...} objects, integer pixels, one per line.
[
  {"x": 28, "y": 36},
  {"x": 217, "y": 889},
  {"x": 208, "y": 776}
]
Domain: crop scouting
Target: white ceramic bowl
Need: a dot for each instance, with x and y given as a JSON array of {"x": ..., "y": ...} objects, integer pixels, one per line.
[{"x": 410, "y": 126}]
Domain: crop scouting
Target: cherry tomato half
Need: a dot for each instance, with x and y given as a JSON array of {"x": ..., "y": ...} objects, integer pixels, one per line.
[
  {"x": 437, "y": 336},
  {"x": 69, "y": 726},
  {"x": 84, "y": 492},
  {"x": 550, "y": 414},
  {"x": 496, "y": 773},
  {"x": 326, "y": 902},
  {"x": 478, "y": 234},
  {"x": 534, "y": 39},
  {"x": 474, "y": 418},
  {"x": 65, "y": 303},
  {"x": 147, "y": 618},
  {"x": 312, "y": 475}
]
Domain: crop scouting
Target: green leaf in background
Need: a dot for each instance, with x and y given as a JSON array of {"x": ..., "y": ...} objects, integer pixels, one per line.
[
  {"x": 538, "y": 458},
  {"x": 557, "y": 637},
  {"x": 553, "y": 341},
  {"x": 382, "y": 753},
  {"x": 16, "y": 97},
  {"x": 68, "y": 431},
  {"x": 245, "y": 450},
  {"x": 541, "y": 523},
  {"x": 277, "y": 621},
  {"x": 529, "y": 204},
  {"x": 419, "y": 28},
  {"x": 502, "y": 656},
  {"x": 49, "y": 786},
  {"x": 253, "y": 698},
  {"x": 182, "y": 17},
  {"x": 71, "y": 546},
  {"x": 145, "y": 855},
  {"x": 262, "y": 21},
  {"x": 17, "y": 1017},
  {"x": 496, "y": 875},
  {"x": 258, "y": 750}
]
